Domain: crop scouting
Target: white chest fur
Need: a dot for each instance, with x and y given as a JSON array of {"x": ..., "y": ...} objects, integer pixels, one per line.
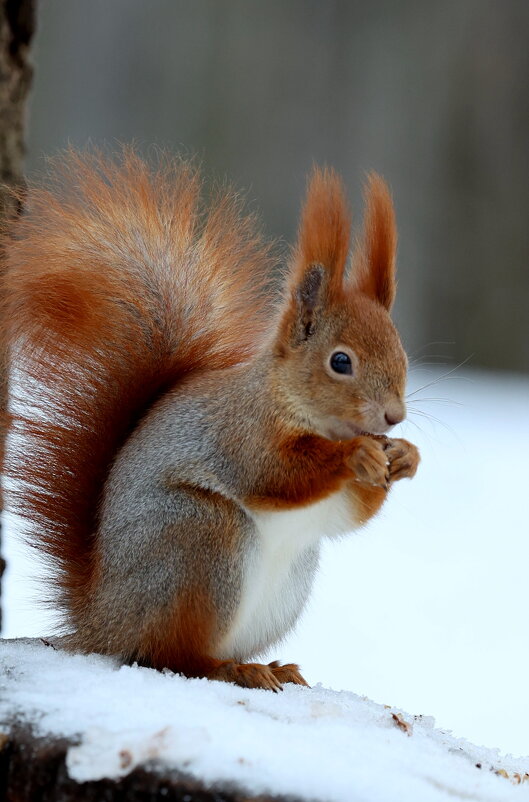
[{"x": 280, "y": 571}]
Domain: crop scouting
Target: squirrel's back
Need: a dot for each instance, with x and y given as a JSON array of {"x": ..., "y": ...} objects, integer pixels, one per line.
[{"x": 118, "y": 282}]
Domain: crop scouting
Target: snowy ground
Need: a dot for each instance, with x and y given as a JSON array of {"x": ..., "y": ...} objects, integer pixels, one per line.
[
  {"x": 314, "y": 743},
  {"x": 427, "y": 607}
]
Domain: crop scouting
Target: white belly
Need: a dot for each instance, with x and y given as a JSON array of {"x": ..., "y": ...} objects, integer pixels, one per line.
[{"x": 280, "y": 572}]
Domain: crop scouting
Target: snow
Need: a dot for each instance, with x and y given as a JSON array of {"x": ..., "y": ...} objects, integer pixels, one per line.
[
  {"x": 314, "y": 743},
  {"x": 426, "y": 608}
]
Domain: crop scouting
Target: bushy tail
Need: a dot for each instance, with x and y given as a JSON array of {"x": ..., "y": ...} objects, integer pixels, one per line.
[{"x": 118, "y": 283}]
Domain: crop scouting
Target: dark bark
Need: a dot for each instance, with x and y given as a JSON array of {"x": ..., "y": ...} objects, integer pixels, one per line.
[
  {"x": 33, "y": 770},
  {"x": 17, "y": 24}
]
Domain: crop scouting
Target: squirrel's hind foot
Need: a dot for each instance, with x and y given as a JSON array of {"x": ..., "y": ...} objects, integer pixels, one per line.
[
  {"x": 288, "y": 673},
  {"x": 256, "y": 675}
]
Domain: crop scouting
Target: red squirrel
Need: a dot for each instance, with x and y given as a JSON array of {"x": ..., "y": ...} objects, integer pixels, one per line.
[{"x": 186, "y": 436}]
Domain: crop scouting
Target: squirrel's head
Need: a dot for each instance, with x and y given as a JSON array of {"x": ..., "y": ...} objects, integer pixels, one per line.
[{"x": 338, "y": 353}]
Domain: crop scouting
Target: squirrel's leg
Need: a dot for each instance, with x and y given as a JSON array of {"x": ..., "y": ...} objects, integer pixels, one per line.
[
  {"x": 371, "y": 480},
  {"x": 311, "y": 468},
  {"x": 186, "y": 645},
  {"x": 172, "y": 593}
]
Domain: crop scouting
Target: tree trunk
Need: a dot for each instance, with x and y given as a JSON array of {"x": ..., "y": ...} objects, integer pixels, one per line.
[
  {"x": 17, "y": 24},
  {"x": 33, "y": 769}
]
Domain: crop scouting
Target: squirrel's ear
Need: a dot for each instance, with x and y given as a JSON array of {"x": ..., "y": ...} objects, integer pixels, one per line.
[
  {"x": 318, "y": 262},
  {"x": 308, "y": 298},
  {"x": 374, "y": 259},
  {"x": 323, "y": 235},
  {"x": 303, "y": 305}
]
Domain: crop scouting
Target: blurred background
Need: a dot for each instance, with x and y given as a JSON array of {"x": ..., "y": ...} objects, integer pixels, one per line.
[
  {"x": 427, "y": 608},
  {"x": 434, "y": 95}
]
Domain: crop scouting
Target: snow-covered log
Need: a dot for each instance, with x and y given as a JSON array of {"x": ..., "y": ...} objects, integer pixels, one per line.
[
  {"x": 88, "y": 728},
  {"x": 34, "y": 768}
]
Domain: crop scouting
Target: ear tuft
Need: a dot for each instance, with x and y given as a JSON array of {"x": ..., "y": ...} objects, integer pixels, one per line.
[
  {"x": 323, "y": 236},
  {"x": 374, "y": 259}
]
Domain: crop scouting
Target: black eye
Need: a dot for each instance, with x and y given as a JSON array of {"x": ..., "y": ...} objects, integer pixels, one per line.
[{"x": 341, "y": 363}]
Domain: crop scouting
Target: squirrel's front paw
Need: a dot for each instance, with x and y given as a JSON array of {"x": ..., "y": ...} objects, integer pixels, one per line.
[
  {"x": 403, "y": 458},
  {"x": 370, "y": 462}
]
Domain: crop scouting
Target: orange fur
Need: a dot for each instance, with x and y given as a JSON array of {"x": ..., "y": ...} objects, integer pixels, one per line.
[
  {"x": 181, "y": 638},
  {"x": 324, "y": 228},
  {"x": 313, "y": 468},
  {"x": 366, "y": 500},
  {"x": 117, "y": 284},
  {"x": 374, "y": 260}
]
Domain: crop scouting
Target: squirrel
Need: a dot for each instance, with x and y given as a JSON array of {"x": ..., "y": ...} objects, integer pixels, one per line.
[{"x": 182, "y": 433}]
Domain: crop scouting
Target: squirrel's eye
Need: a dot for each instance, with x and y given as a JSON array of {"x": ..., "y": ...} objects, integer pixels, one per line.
[{"x": 341, "y": 363}]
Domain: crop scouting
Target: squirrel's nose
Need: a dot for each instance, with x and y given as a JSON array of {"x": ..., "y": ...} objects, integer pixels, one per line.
[{"x": 395, "y": 413}]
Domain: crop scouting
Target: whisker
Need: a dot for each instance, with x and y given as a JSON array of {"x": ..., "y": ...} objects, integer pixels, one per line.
[
  {"x": 429, "y": 345},
  {"x": 440, "y": 401},
  {"x": 445, "y": 376},
  {"x": 413, "y": 423},
  {"x": 434, "y": 419},
  {"x": 420, "y": 363},
  {"x": 427, "y": 436}
]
